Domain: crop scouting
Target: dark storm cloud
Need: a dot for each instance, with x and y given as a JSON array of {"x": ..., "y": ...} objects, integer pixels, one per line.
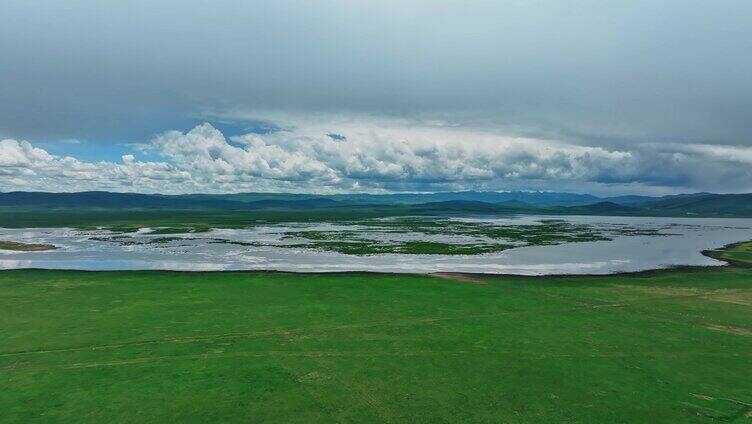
[{"x": 613, "y": 72}]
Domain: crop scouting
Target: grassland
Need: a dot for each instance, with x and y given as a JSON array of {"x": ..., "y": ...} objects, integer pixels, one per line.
[
  {"x": 175, "y": 221},
  {"x": 664, "y": 346}
]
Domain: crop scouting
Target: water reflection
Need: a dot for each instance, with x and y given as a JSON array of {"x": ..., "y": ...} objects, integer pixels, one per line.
[{"x": 681, "y": 242}]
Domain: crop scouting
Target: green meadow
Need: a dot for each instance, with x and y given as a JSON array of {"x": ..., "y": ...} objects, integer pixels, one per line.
[{"x": 663, "y": 346}]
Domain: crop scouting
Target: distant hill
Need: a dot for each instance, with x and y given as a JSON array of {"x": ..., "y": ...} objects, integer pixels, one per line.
[
  {"x": 314, "y": 203},
  {"x": 600, "y": 208},
  {"x": 721, "y": 205},
  {"x": 458, "y": 205},
  {"x": 641, "y": 200},
  {"x": 103, "y": 199},
  {"x": 530, "y": 197},
  {"x": 702, "y": 204},
  {"x": 604, "y": 208},
  {"x": 515, "y": 204},
  {"x": 705, "y": 204},
  {"x": 107, "y": 200},
  {"x": 629, "y": 200}
]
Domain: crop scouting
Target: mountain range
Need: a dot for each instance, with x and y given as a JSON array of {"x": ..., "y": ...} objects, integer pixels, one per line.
[{"x": 701, "y": 204}]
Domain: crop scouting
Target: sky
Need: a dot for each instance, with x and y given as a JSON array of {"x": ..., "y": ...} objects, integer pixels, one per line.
[{"x": 592, "y": 96}]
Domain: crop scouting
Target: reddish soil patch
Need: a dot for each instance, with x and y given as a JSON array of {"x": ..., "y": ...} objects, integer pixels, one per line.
[{"x": 462, "y": 277}]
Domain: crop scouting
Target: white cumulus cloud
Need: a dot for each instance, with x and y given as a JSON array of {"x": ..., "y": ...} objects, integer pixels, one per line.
[
  {"x": 25, "y": 167},
  {"x": 379, "y": 156}
]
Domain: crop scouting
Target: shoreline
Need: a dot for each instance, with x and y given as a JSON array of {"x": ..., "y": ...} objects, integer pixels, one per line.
[{"x": 715, "y": 254}]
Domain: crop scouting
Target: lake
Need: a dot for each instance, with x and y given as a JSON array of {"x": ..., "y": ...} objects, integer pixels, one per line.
[{"x": 628, "y": 244}]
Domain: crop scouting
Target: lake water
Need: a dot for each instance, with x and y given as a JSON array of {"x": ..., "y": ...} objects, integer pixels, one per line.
[{"x": 680, "y": 242}]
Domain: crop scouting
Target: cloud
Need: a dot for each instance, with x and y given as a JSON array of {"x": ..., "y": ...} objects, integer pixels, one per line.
[
  {"x": 399, "y": 155},
  {"x": 618, "y": 71},
  {"x": 423, "y": 158},
  {"x": 25, "y": 167},
  {"x": 380, "y": 156},
  {"x": 205, "y": 151}
]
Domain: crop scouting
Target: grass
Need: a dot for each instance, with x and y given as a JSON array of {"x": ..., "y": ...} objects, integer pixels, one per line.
[
  {"x": 663, "y": 346},
  {"x": 372, "y": 247},
  {"x": 180, "y": 221},
  {"x": 500, "y": 237},
  {"x": 740, "y": 253},
  {"x": 175, "y": 221}
]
